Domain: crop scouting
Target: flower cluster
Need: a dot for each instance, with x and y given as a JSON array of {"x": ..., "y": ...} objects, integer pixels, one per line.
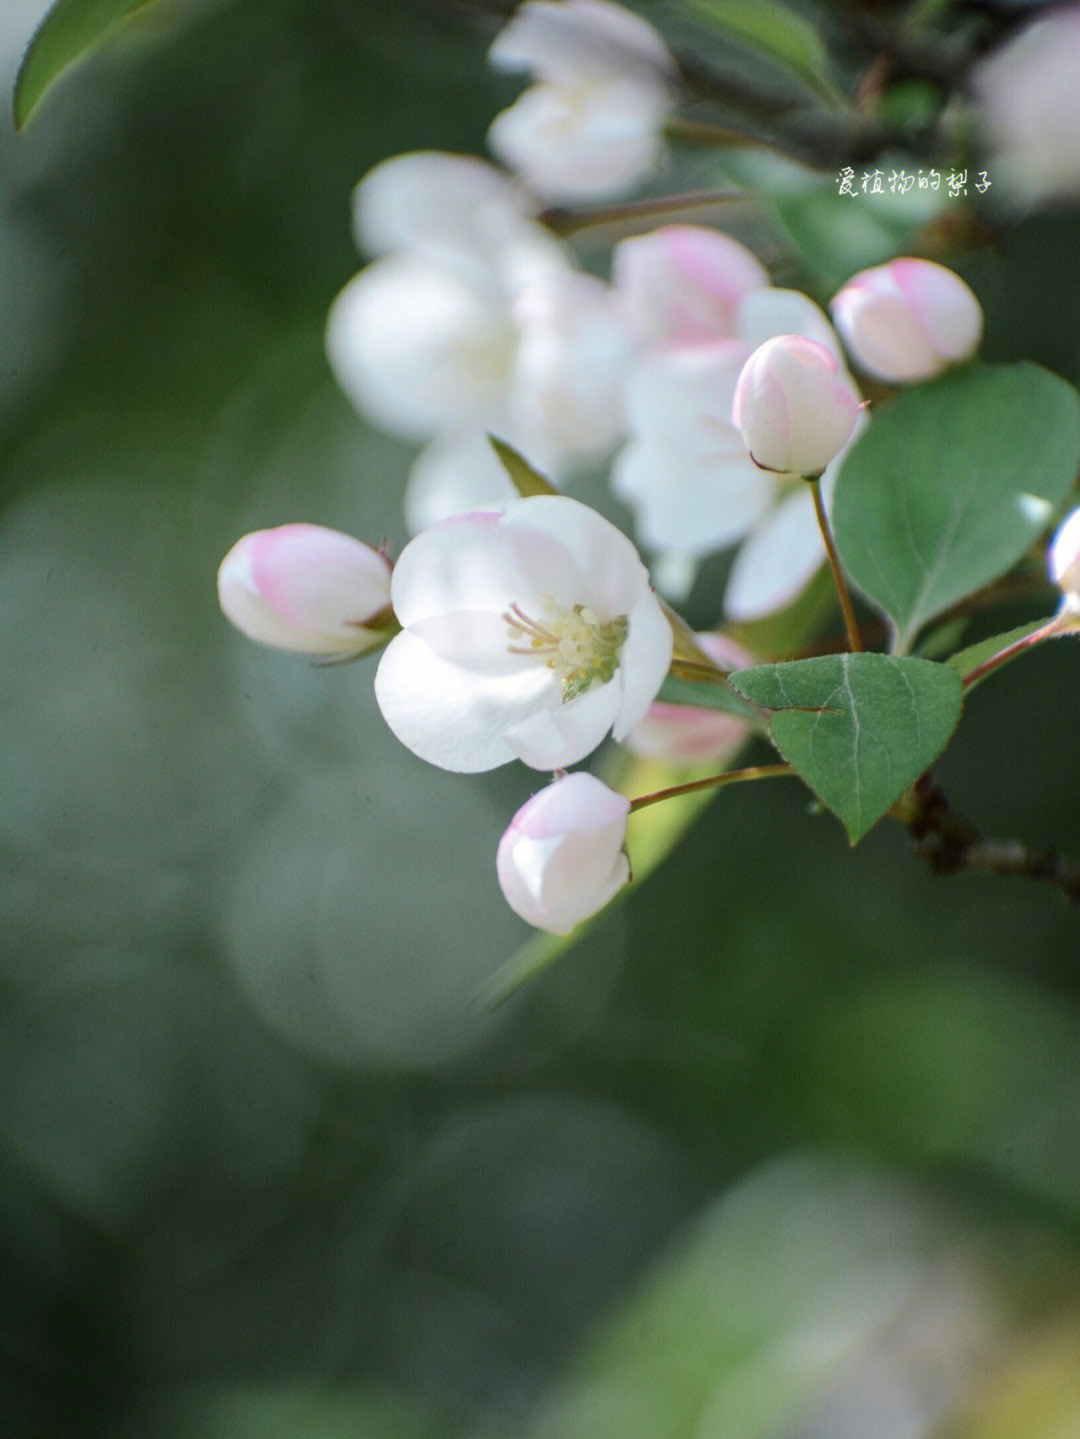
[{"x": 527, "y": 628}]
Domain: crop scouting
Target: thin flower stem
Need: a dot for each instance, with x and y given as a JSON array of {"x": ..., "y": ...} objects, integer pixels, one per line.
[
  {"x": 854, "y": 638},
  {"x": 1061, "y": 624},
  {"x": 659, "y": 207},
  {"x": 715, "y": 781}
]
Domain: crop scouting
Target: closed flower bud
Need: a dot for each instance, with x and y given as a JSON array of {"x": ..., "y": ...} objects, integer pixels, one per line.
[
  {"x": 562, "y": 858},
  {"x": 307, "y": 589},
  {"x": 907, "y": 320},
  {"x": 794, "y": 409},
  {"x": 1063, "y": 561}
]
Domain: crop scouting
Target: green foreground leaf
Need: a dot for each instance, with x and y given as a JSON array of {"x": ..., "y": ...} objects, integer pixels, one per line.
[
  {"x": 950, "y": 484},
  {"x": 526, "y": 480},
  {"x": 69, "y": 30},
  {"x": 858, "y": 728}
]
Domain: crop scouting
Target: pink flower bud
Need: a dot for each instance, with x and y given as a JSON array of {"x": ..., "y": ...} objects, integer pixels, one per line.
[
  {"x": 562, "y": 858},
  {"x": 907, "y": 320},
  {"x": 794, "y": 409},
  {"x": 685, "y": 734},
  {"x": 1063, "y": 561},
  {"x": 305, "y": 588}
]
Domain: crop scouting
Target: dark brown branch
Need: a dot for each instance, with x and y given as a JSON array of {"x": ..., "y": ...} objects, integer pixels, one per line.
[{"x": 950, "y": 845}]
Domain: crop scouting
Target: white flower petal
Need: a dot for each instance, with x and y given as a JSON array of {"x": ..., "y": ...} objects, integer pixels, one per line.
[
  {"x": 687, "y": 503},
  {"x": 417, "y": 349},
  {"x": 482, "y": 562},
  {"x": 644, "y": 661},
  {"x": 554, "y": 738},
  {"x": 453, "y": 474},
  {"x": 777, "y": 562},
  {"x": 443, "y": 715},
  {"x": 445, "y": 207},
  {"x": 684, "y": 283},
  {"x": 578, "y": 39}
]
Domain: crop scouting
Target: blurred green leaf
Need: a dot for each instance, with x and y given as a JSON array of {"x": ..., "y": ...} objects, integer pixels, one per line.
[
  {"x": 778, "y": 32},
  {"x": 524, "y": 478},
  {"x": 950, "y": 484},
  {"x": 966, "y": 660},
  {"x": 858, "y": 728},
  {"x": 69, "y": 29}
]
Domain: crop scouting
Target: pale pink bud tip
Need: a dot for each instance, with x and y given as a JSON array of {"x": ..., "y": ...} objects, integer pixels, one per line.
[
  {"x": 907, "y": 320},
  {"x": 305, "y": 588},
  {"x": 794, "y": 409},
  {"x": 1063, "y": 560},
  {"x": 563, "y": 858}
]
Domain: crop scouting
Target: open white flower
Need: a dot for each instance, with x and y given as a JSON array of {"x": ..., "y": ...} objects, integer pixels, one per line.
[
  {"x": 590, "y": 127},
  {"x": 563, "y": 855},
  {"x": 686, "y": 472},
  {"x": 526, "y": 635}
]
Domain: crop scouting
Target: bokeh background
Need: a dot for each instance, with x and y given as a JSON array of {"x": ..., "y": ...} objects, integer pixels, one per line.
[{"x": 788, "y": 1147}]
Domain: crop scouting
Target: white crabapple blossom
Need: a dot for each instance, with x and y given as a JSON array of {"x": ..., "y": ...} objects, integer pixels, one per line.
[
  {"x": 473, "y": 320},
  {"x": 793, "y": 408},
  {"x": 527, "y": 634},
  {"x": 907, "y": 320},
  {"x": 590, "y": 127},
  {"x": 1063, "y": 562},
  {"x": 685, "y": 471},
  {"x": 1027, "y": 94},
  {"x": 307, "y": 589},
  {"x": 563, "y": 856}
]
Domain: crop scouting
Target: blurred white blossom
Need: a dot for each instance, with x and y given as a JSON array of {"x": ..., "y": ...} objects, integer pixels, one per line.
[
  {"x": 1028, "y": 97},
  {"x": 1063, "y": 561},
  {"x": 590, "y": 126},
  {"x": 563, "y": 855},
  {"x": 526, "y": 635},
  {"x": 472, "y": 321}
]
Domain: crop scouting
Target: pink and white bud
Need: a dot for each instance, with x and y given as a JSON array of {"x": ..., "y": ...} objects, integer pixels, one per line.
[
  {"x": 563, "y": 856},
  {"x": 907, "y": 320},
  {"x": 684, "y": 283},
  {"x": 1063, "y": 561},
  {"x": 590, "y": 126},
  {"x": 307, "y": 589},
  {"x": 687, "y": 734},
  {"x": 794, "y": 409}
]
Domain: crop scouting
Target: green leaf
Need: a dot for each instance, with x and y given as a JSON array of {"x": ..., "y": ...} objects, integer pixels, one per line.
[
  {"x": 69, "y": 30},
  {"x": 966, "y": 661},
  {"x": 949, "y": 485},
  {"x": 778, "y": 32},
  {"x": 523, "y": 477},
  {"x": 858, "y": 728}
]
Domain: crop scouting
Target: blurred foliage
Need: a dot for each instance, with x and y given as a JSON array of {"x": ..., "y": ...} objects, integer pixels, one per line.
[{"x": 268, "y": 1168}]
